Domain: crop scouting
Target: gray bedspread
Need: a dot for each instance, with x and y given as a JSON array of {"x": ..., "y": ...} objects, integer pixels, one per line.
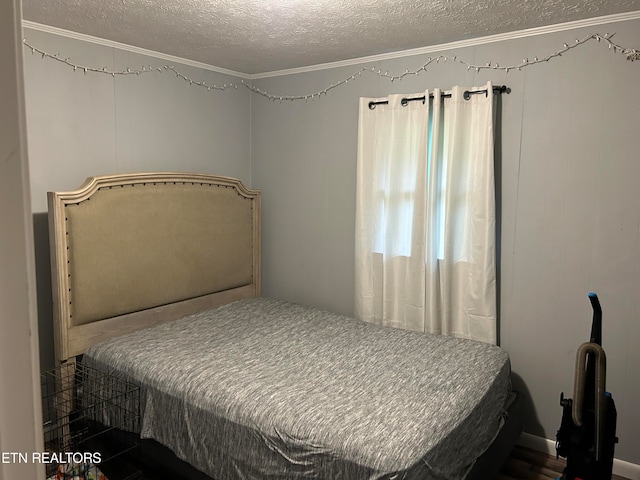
[{"x": 261, "y": 389}]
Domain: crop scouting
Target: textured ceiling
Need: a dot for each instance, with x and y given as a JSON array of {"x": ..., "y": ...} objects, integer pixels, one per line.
[{"x": 256, "y": 36}]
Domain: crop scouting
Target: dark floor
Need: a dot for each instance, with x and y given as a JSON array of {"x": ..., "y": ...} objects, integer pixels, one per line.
[
  {"x": 523, "y": 464},
  {"x": 527, "y": 464}
]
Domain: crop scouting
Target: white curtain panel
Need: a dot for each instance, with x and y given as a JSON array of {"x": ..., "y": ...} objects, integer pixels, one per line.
[{"x": 425, "y": 214}]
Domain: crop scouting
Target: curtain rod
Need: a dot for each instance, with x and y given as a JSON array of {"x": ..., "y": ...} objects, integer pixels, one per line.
[{"x": 467, "y": 95}]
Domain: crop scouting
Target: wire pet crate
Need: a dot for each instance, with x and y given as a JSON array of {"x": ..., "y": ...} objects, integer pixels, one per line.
[{"x": 91, "y": 424}]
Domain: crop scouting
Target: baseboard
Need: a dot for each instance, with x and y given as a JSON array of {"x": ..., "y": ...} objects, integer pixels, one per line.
[{"x": 620, "y": 467}]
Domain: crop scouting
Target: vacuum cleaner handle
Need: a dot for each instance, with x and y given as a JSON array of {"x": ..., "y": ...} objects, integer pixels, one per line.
[{"x": 596, "y": 325}]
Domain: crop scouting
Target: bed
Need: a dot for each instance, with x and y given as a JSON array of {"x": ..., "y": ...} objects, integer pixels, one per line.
[{"x": 156, "y": 278}]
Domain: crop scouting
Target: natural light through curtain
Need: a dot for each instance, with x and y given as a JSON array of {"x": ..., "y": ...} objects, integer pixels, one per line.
[{"x": 425, "y": 214}]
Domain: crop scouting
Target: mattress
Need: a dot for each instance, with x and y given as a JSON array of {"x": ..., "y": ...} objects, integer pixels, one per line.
[{"x": 265, "y": 389}]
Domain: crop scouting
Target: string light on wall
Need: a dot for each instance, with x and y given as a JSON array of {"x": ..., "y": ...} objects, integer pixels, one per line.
[
  {"x": 128, "y": 71},
  {"x": 629, "y": 53}
]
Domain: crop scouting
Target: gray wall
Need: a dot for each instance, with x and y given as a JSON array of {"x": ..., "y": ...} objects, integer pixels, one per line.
[
  {"x": 79, "y": 125},
  {"x": 91, "y": 124},
  {"x": 570, "y": 206}
]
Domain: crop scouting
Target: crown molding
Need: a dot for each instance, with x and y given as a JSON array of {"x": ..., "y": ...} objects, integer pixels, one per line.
[
  {"x": 531, "y": 32},
  {"x": 130, "y": 48}
]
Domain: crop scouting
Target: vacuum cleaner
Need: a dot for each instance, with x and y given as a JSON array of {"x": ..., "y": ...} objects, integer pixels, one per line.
[{"x": 587, "y": 433}]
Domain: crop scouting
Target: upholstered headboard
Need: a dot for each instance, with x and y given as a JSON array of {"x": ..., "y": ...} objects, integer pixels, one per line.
[{"x": 131, "y": 251}]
